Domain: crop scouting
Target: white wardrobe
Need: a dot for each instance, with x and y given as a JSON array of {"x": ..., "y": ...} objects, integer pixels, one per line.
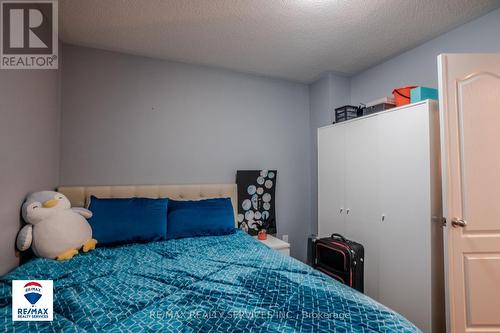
[{"x": 379, "y": 184}]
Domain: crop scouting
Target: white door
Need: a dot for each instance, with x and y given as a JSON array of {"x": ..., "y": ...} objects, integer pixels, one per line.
[
  {"x": 331, "y": 148},
  {"x": 405, "y": 213},
  {"x": 469, "y": 87},
  {"x": 361, "y": 194}
]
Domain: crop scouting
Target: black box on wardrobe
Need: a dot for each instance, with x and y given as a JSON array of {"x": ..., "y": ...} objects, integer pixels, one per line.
[{"x": 347, "y": 112}]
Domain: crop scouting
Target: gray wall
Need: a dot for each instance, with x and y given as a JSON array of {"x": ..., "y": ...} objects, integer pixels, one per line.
[
  {"x": 135, "y": 120},
  {"x": 129, "y": 119},
  {"x": 414, "y": 67},
  {"x": 29, "y": 147},
  {"x": 324, "y": 95},
  {"x": 419, "y": 65}
]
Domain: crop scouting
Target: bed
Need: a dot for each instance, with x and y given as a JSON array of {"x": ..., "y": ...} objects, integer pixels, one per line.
[{"x": 230, "y": 283}]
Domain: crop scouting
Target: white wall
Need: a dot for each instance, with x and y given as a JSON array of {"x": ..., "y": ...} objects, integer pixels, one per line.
[
  {"x": 134, "y": 120},
  {"x": 29, "y": 147},
  {"x": 419, "y": 65}
]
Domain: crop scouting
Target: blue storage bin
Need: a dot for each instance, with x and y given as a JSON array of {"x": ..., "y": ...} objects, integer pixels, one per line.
[{"x": 422, "y": 93}]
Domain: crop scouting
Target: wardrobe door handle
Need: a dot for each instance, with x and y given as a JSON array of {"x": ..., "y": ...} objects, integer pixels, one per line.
[
  {"x": 341, "y": 210},
  {"x": 347, "y": 211}
]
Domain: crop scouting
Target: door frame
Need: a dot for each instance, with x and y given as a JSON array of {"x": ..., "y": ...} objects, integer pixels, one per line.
[{"x": 444, "y": 139}]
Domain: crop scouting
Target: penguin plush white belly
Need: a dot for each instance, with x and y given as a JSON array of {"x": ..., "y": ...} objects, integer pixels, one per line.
[
  {"x": 64, "y": 231},
  {"x": 54, "y": 229}
]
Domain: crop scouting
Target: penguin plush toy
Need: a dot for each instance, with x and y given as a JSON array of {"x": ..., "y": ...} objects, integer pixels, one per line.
[{"x": 54, "y": 229}]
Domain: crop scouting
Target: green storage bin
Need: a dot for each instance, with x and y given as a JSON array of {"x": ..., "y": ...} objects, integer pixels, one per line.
[{"x": 422, "y": 93}]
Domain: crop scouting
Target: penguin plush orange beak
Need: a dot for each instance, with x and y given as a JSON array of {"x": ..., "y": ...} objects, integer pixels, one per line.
[{"x": 50, "y": 203}]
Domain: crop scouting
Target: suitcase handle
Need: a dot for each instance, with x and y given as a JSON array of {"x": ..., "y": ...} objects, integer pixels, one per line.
[{"x": 339, "y": 236}]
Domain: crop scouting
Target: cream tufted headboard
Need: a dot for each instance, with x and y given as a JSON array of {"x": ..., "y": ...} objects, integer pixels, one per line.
[{"x": 80, "y": 195}]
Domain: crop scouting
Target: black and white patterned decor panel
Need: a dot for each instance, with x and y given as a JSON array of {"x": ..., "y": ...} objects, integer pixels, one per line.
[{"x": 256, "y": 200}]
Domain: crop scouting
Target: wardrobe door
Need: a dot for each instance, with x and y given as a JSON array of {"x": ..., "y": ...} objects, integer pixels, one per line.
[
  {"x": 331, "y": 141},
  {"x": 404, "y": 218},
  {"x": 362, "y": 195}
]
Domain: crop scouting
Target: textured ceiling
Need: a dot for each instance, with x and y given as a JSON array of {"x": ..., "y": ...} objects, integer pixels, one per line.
[{"x": 292, "y": 39}]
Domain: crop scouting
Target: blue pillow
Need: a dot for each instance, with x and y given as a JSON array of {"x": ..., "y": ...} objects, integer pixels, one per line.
[
  {"x": 210, "y": 217},
  {"x": 131, "y": 220}
]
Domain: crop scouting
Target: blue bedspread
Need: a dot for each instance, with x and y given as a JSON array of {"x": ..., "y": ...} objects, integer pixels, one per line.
[{"x": 208, "y": 284}]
